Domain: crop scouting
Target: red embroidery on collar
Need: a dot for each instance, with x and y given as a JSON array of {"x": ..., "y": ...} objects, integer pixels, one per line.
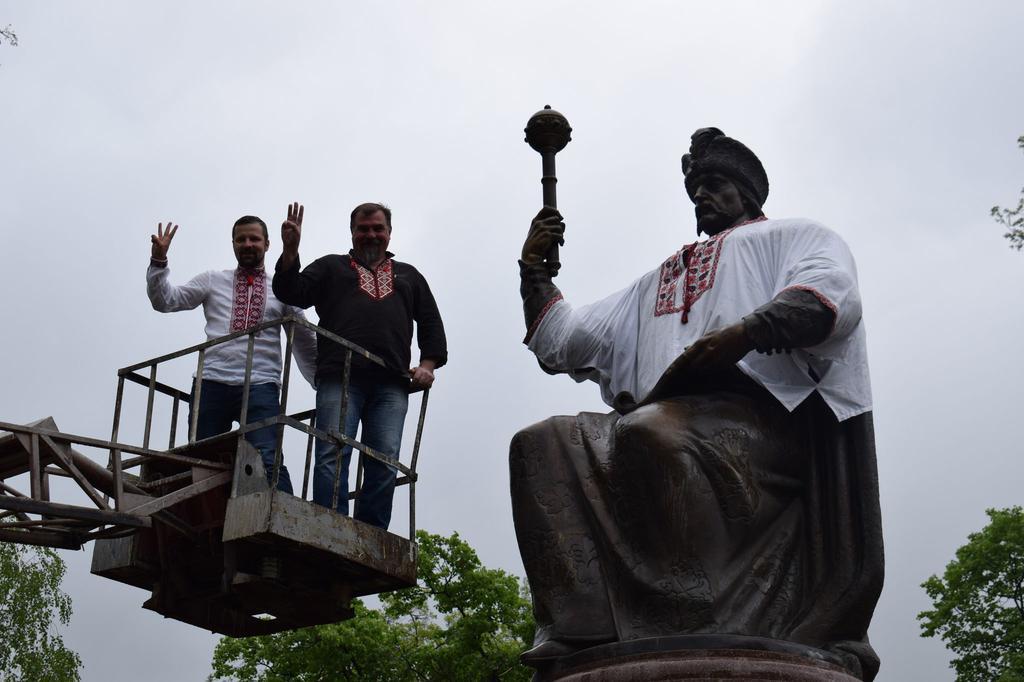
[
  {"x": 697, "y": 263},
  {"x": 250, "y": 298},
  {"x": 377, "y": 284}
]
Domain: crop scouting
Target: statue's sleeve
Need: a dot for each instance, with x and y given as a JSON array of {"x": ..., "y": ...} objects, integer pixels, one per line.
[
  {"x": 539, "y": 293},
  {"x": 816, "y": 299},
  {"x": 592, "y": 342},
  {"x": 796, "y": 318}
]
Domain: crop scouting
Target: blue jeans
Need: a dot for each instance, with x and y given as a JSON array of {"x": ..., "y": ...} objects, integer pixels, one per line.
[
  {"x": 380, "y": 405},
  {"x": 221, "y": 404}
]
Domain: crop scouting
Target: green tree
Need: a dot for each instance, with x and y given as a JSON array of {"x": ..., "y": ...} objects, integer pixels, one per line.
[
  {"x": 461, "y": 622},
  {"x": 979, "y": 602},
  {"x": 1013, "y": 218},
  {"x": 30, "y": 598}
]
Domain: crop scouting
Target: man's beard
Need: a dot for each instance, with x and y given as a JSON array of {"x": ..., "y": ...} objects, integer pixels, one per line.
[
  {"x": 249, "y": 260},
  {"x": 370, "y": 253}
]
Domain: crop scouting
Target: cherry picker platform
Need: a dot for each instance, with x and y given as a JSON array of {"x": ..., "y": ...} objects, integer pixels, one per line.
[{"x": 199, "y": 525}]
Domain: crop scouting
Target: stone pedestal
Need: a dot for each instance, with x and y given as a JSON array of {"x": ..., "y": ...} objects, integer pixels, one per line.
[{"x": 682, "y": 658}]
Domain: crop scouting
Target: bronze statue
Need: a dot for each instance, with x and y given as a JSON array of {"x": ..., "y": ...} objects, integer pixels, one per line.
[{"x": 733, "y": 491}]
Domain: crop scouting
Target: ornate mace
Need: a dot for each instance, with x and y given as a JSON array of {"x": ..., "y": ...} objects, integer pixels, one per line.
[{"x": 547, "y": 132}]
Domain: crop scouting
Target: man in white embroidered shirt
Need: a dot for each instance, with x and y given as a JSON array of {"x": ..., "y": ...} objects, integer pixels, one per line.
[
  {"x": 235, "y": 300},
  {"x": 733, "y": 492}
]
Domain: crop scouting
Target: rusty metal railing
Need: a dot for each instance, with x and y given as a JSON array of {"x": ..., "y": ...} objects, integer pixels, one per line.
[
  {"x": 131, "y": 373},
  {"x": 50, "y": 452}
]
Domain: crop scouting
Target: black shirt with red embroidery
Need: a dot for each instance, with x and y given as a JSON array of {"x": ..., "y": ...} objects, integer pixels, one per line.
[{"x": 374, "y": 309}]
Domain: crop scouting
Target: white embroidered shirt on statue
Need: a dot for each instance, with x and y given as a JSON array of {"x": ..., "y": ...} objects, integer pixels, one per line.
[
  {"x": 234, "y": 300},
  {"x": 626, "y": 341}
]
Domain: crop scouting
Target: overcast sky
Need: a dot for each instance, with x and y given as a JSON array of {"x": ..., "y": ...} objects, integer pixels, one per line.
[{"x": 895, "y": 124}]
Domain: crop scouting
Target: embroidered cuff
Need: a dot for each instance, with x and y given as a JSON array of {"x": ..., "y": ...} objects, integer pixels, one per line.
[
  {"x": 540, "y": 316},
  {"x": 797, "y": 317},
  {"x": 538, "y": 294},
  {"x": 821, "y": 298}
]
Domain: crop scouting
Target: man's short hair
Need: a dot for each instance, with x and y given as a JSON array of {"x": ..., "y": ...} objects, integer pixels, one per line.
[
  {"x": 250, "y": 220},
  {"x": 363, "y": 210}
]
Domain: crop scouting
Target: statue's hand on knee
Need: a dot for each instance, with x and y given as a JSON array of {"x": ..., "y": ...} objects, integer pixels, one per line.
[{"x": 714, "y": 352}]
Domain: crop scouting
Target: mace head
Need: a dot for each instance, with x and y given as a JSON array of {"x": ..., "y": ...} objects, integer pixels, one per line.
[{"x": 547, "y": 131}]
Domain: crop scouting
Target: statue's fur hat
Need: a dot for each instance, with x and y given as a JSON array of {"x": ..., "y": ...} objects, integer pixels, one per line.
[{"x": 712, "y": 152}]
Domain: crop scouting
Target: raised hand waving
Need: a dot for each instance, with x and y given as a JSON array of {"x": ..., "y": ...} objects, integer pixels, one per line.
[{"x": 162, "y": 240}]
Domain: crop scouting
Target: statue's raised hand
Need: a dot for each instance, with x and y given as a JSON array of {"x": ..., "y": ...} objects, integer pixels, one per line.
[
  {"x": 546, "y": 229},
  {"x": 162, "y": 240}
]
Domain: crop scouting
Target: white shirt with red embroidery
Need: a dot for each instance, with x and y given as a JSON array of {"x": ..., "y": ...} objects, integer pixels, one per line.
[
  {"x": 626, "y": 341},
  {"x": 234, "y": 300}
]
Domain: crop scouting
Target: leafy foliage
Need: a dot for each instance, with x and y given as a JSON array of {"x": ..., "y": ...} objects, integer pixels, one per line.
[
  {"x": 462, "y": 622},
  {"x": 30, "y": 597},
  {"x": 1013, "y": 219},
  {"x": 979, "y": 602}
]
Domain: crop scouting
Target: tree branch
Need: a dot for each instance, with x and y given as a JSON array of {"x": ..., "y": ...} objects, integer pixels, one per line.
[{"x": 8, "y": 34}]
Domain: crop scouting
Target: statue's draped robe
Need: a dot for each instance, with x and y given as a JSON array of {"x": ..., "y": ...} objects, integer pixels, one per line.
[{"x": 744, "y": 503}]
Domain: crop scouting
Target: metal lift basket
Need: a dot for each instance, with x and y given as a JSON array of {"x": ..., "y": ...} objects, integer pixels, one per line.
[{"x": 199, "y": 525}]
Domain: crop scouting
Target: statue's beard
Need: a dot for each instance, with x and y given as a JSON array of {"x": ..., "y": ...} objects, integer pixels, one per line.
[{"x": 711, "y": 221}]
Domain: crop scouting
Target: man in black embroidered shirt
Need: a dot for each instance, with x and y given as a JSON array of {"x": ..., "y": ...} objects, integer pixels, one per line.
[{"x": 371, "y": 300}]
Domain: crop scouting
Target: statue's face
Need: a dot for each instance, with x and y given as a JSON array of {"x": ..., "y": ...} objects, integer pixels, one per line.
[
  {"x": 717, "y": 204},
  {"x": 370, "y": 237}
]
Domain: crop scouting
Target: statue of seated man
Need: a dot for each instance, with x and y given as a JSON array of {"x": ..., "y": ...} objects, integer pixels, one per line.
[{"x": 733, "y": 489}]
